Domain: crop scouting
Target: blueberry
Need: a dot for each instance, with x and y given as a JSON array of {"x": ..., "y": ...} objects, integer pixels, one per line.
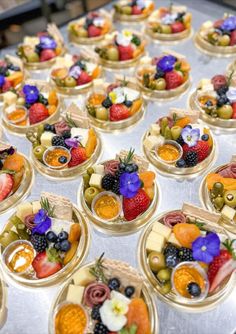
[
  {"x": 63, "y": 235},
  {"x": 222, "y": 90},
  {"x": 62, "y": 159},
  {"x": 128, "y": 103},
  {"x": 122, "y": 166},
  {"x": 114, "y": 284},
  {"x": 57, "y": 246},
  {"x": 131, "y": 168},
  {"x": 53, "y": 129},
  {"x": 129, "y": 291},
  {"x": 205, "y": 137},
  {"x": 47, "y": 127},
  {"x": 194, "y": 289},
  {"x": 107, "y": 103},
  {"x": 209, "y": 103},
  {"x": 51, "y": 236},
  {"x": 172, "y": 260},
  {"x": 222, "y": 100},
  {"x": 65, "y": 245},
  {"x": 66, "y": 134},
  {"x": 181, "y": 163},
  {"x": 159, "y": 74}
]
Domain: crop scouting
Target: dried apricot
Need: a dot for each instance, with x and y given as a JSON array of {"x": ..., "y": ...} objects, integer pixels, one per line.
[
  {"x": 96, "y": 72},
  {"x": 75, "y": 232},
  {"x": 71, "y": 252},
  {"x": 136, "y": 105},
  {"x": 182, "y": 122},
  {"x": 52, "y": 109},
  {"x": 96, "y": 99},
  {"x": 52, "y": 98},
  {"x": 138, "y": 315},
  {"x": 91, "y": 143},
  {"x": 147, "y": 177},
  {"x": 186, "y": 233},
  {"x": 14, "y": 162}
]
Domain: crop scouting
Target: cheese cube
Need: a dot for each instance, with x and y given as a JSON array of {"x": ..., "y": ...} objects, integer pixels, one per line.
[
  {"x": 23, "y": 210},
  {"x": 36, "y": 206},
  {"x": 159, "y": 228},
  {"x": 83, "y": 277},
  {"x": 154, "y": 129},
  {"x": 96, "y": 180},
  {"x": 32, "y": 41},
  {"x": 75, "y": 294},
  {"x": 172, "y": 239},
  {"x": 82, "y": 133},
  {"x": 46, "y": 138},
  {"x": 150, "y": 142},
  {"x": 156, "y": 237},
  {"x": 207, "y": 25},
  {"x": 204, "y": 82},
  {"x": 153, "y": 246},
  {"x": 228, "y": 212},
  {"x": 98, "y": 169},
  {"x": 9, "y": 98},
  {"x": 131, "y": 94}
]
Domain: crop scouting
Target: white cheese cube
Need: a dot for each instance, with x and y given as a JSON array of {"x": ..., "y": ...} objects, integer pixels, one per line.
[
  {"x": 153, "y": 246},
  {"x": 32, "y": 41},
  {"x": 46, "y": 138},
  {"x": 96, "y": 180},
  {"x": 9, "y": 98},
  {"x": 172, "y": 239},
  {"x": 156, "y": 237},
  {"x": 83, "y": 277},
  {"x": 161, "y": 229},
  {"x": 75, "y": 294},
  {"x": 36, "y": 206},
  {"x": 228, "y": 212},
  {"x": 154, "y": 129},
  {"x": 204, "y": 82},
  {"x": 207, "y": 25},
  {"x": 23, "y": 210},
  {"x": 131, "y": 94},
  {"x": 81, "y": 133},
  {"x": 59, "y": 225},
  {"x": 150, "y": 142},
  {"x": 98, "y": 169}
]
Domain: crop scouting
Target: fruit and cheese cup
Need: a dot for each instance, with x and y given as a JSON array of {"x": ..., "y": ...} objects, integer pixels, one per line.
[
  {"x": 217, "y": 39},
  {"x": 65, "y": 149},
  {"x": 188, "y": 258},
  {"x": 218, "y": 193},
  {"x": 16, "y": 177},
  {"x": 33, "y": 105},
  {"x": 121, "y": 49},
  {"x": 178, "y": 146},
  {"x": 43, "y": 241},
  {"x": 91, "y": 29},
  {"x": 104, "y": 296},
  {"x": 119, "y": 196},
  {"x": 114, "y": 106},
  {"x": 12, "y": 74},
  {"x": 215, "y": 98},
  {"x": 133, "y": 11},
  {"x": 40, "y": 52},
  {"x": 169, "y": 24},
  {"x": 74, "y": 74},
  {"x": 3, "y": 301},
  {"x": 164, "y": 77}
]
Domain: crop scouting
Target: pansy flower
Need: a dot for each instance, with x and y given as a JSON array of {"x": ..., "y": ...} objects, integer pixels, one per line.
[
  {"x": 190, "y": 136},
  {"x": 42, "y": 221},
  {"x": 117, "y": 95},
  {"x": 129, "y": 184},
  {"x": 73, "y": 142},
  {"x": 166, "y": 63},
  {"x": 231, "y": 94},
  {"x": 124, "y": 38},
  {"x": 206, "y": 248},
  {"x": 169, "y": 18},
  {"x": 75, "y": 71},
  {"x": 2, "y": 80},
  {"x": 31, "y": 93},
  {"x": 229, "y": 23},
  {"x": 47, "y": 42}
]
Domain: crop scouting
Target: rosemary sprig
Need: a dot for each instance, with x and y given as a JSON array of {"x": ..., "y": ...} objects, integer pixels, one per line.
[
  {"x": 230, "y": 78},
  {"x": 129, "y": 156},
  {"x": 98, "y": 270},
  {"x": 47, "y": 207},
  {"x": 70, "y": 121},
  {"x": 124, "y": 82}
]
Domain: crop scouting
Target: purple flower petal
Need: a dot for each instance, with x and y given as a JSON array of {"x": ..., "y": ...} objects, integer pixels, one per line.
[
  {"x": 71, "y": 142},
  {"x": 166, "y": 63},
  {"x": 40, "y": 216},
  {"x": 47, "y": 42},
  {"x": 2, "y": 80},
  {"x": 213, "y": 244},
  {"x": 205, "y": 248},
  {"x": 75, "y": 71},
  {"x": 190, "y": 136},
  {"x": 229, "y": 23},
  {"x": 42, "y": 227},
  {"x": 129, "y": 184},
  {"x": 31, "y": 93}
]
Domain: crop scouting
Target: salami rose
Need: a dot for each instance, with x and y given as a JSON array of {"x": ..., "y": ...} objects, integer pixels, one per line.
[
  {"x": 96, "y": 293},
  {"x": 111, "y": 166},
  {"x": 229, "y": 172},
  {"x": 173, "y": 218}
]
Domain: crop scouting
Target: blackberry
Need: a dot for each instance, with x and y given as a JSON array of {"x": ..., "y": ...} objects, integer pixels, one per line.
[
  {"x": 39, "y": 242},
  {"x": 38, "y": 48},
  {"x": 89, "y": 21},
  {"x": 118, "y": 173},
  {"x": 3, "y": 70},
  {"x": 180, "y": 140},
  {"x": 186, "y": 254},
  {"x": 191, "y": 159},
  {"x": 116, "y": 187},
  {"x": 47, "y": 127},
  {"x": 136, "y": 40},
  {"x": 100, "y": 329},
  {"x": 159, "y": 74},
  {"x": 222, "y": 90},
  {"x": 27, "y": 105},
  {"x": 66, "y": 134},
  {"x": 107, "y": 103},
  {"x": 170, "y": 249},
  {"x": 43, "y": 100},
  {"x": 108, "y": 181},
  {"x": 58, "y": 141},
  {"x": 95, "y": 314},
  {"x": 180, "y": 16}
]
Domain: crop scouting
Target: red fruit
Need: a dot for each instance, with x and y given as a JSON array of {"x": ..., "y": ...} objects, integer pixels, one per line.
[
  {"x": 125, "y": 52},
  {"x": 177, "y": 27},
  {"x": 232, "y": 38},
  {"x": 6, "y": 86},
  {"x": 94, "y": 31},
  {"x": 47, "y": 54},
  {"x": 218, "y": 23},
  {"x": 136, "y": 10},
  {"x": 78, "y": 155},
  {"x": 136, "y": 205},
  {"x": 118, "y": 112},
  {"x": 83, "y": 78},
  {"x": 6, "y": 185},
  {"x": 173, "y": 80},
  {"x": 3, "y": 63},
  {"x": 233, "y": 105},
  {"x": 218, "y": 81},
  {"x": 224, "y": 271},
  {"x": 37, "y": 113},
  {"x": 201, "y": 148},
  {"x": 43, "y": 267}
]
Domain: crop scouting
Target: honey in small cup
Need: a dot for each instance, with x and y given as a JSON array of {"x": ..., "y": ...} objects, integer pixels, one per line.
[
  {"x": 56, "y": 157},
  {"x": 106, "y": 206},
  {"x": 17, "y": 115},
  {"x": 169, "y": 152}
]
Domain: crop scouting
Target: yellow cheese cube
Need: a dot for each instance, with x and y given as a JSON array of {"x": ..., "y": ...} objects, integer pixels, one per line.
[
  {"x": 96, "y": 180},
  {"x": 83, "y": 277},
  {"x": 154, "y": 129},
  {"x": 46, "y": 138},
  {"x": 150, "y": 142},
  {"x": 36, "y": 206},
  {"x": 159, "y": 228},
  {"x": 75, "y": 294},
  {"x": 228, "y": 212},
  {"x": 153, "y": 246},
  {"x": 156, "y": 237},
  {"x": 9, "y": 98},
  {"x": 172, "y": 239},
  {"x": 23, "y": 210}
]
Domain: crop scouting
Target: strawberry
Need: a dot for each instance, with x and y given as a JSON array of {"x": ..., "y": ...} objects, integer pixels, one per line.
[
  {"x": 233, "y": 105},
  {"x": 94, "y": 31},
  {"x": 47, "y": 54},
  {"x": 125, "y": 52},
  {"x": 3, "y": 63},
  {"x": 201, "y": 148},
  {"x": 173, "y": 80},
  {"x": 136, "y": 205},
  {"x": 83, "y": 78},
  {"x": 78, "y": 155},
  {"x": 136, "y": 10},
  {"x": 6, "y": 86},
  {"x": 6, "y": 185},
  {"x": 232, "y": 38},
  {"x": 37, "y": 113},
  {"x": 43, "y": 267},
  {"x": 177, "y": 27},
  {"x": 118, "y": 112}
]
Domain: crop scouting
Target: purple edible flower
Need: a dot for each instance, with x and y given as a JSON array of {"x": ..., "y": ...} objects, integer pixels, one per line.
[
  {"x": 47, "y": 43},
  {"x": 2, "y": 80},
  {"x": 75, "y": 71},
  {"x": 72, "y": 142},
  {"x": 129, "y": 184},
  {"x": 229, "y": 23},
  {"x": 31, "y": 93},
  {"x": 166, "y": 63},
  {"x": 206, "y": 248},
  {"x": 190, "y": 136},
  {"x": 42, "y": 221}
]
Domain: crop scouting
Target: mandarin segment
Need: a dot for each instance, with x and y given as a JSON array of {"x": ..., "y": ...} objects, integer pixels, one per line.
[
  {"x": 138, "y": 315},
  {"x": 14, "y": 162},
  {"x": 186, "y": 233}
]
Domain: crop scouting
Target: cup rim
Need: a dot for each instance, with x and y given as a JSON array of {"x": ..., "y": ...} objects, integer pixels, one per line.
[
  {"x": 111, "y": 194},
  {"x": 51, "y": 148},
  {"x": 173, "y": 143}
]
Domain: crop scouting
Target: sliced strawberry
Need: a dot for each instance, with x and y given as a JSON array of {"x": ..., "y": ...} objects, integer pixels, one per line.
[
  {"x": 6, "y": 185},
  {"x": 136, "y": 205},
  {"x": 37, "y": 113},
  {"x": 83, "y": 78},
  {"x": 94, "y": 31},
  {"x": 173, "y": 80},
  {"x": 6, "y": 86},
  {"x": 227, "y": 268},
  {"x": 233, "y": 38},
  {"x": 233, "y": 105},
  {"x": 43, "y": 267},
  {"x": 47, "y": 54},
  {"x": 201, "y": 148},
  {"x": 118, "y": 112},
  {"x": 177, "y": 27},
  {"x": 125, "y": 52},
  {"x": 78, "y": 155},
  {"x": 136, "y": 10}
]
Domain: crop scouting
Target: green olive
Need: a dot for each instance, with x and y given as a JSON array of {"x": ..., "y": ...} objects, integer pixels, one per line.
[
  {"x": 39, "y": 151},
  {"x": 218, "y": 188},
  {"x": 89, "y": 194},
  {"x": 164, "y": 274},
  {"x": 156, "y": 261},
  {"x": 90, "y": 170},
  {"x": 219, "y": 202},
  {"x": 160, "y": 84},
  {"x": 86, "y": 179},
  {"x": 230, "y": 198},
  {"x": 165, "y": 288}
]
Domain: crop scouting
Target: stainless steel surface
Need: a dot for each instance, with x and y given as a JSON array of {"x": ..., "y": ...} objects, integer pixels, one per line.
[{"x": 27, "y": 309}]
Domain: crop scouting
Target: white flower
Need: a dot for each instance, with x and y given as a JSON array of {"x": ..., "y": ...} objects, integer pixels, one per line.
[
  {"x": 231, "y": 94},
  {"x": 113, "y": 311},
  {"x": 99, "y": 21},
  {"x": 124, "y": 38},
  {"x": 117, "y": 95},
  {"x": 169, "y": 18}
]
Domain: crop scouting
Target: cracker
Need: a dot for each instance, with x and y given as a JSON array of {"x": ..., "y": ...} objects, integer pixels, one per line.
[{"x": 63, "y": 208}]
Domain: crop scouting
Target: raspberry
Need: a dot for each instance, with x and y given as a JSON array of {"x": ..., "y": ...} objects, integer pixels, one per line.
[{"x": 173, "y": 80}]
